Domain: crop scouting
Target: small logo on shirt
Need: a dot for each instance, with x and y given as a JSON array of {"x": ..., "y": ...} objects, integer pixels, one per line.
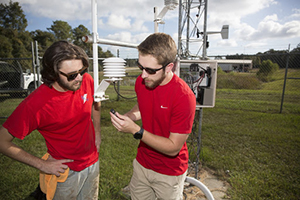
[
  {"x": 84, "y": 98},
  {"x": 163, "y": 107}
]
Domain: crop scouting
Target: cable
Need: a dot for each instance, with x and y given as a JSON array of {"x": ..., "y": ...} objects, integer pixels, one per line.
[{"x": 120, "y": 94}]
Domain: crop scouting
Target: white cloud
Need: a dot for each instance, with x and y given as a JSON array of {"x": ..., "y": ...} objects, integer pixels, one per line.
[
  {"x": 138, "y": 25},
  {"x": 58, "y": 10},
  {"x": 132, "y": 20},
  {"x": 292, "y": 28},
  {"x": 270, "y": 27},
  {"x": 270, "y": 18},
  {"x": 255, "y": 45},
  {"x": 126, "y": 36},
  {"x": 238, "y": 8},
  {"x": 119, "y": 21},
  {"x": 295, "y": 15},
  {"x": 244, "y": 32},
  {"x": 227, "y": 43}
]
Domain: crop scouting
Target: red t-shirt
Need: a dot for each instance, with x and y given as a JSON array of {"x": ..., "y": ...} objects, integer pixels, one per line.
[
  {"x": 165, "y": 109},
  {"x": 64, "y": 120}
]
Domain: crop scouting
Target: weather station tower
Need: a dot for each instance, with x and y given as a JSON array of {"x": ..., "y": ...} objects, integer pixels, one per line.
[{"x": 192, "y": 29}]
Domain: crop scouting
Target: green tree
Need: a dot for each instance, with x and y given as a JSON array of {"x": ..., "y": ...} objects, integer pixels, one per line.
[
  {"x": 78, "y": 33},
  {"x": 61, "y": 30},
  {"x": 5, "y": 47},
  {"x": 12, "y": 17},
  {"x": 256, "y": 62},
  {"x": 81, "y": 31},
  {"x": 43, "y": 38},
  {"x": 294, "y": 58},
  {"x": 130, "y": 62},
  {"x": 266, "y": 70},
  {"x": 19, "y": 48},
  {"x": 102, "y": 54},
  {"x": 12, "y": 29},
  {"x": 16, "y": 41}
]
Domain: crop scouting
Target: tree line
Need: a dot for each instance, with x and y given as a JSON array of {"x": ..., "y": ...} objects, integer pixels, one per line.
[
  {"x": 16, "y": 41},
  {"x": 282, "y": 58}
]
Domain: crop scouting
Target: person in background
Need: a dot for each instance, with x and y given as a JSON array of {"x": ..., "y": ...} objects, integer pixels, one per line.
[
  {"x": 63, "y": 111},
  {"x": 166, "y": 106}
]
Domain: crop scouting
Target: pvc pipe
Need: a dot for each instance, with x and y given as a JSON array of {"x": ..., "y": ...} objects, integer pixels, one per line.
[{"x": 200, "y": 185}]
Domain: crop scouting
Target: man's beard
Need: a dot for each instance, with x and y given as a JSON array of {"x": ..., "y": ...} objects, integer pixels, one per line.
[
  {"x": 69, "y": 85},
  {"x": 154, "y": 84}
]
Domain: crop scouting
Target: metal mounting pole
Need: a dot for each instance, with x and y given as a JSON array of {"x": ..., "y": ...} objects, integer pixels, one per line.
[
  {"x": 188, "y": 27},
  {"x": 201, "y": 109},
  {"x": 199, "y": 141},
  {"x": 179, "y": 51},
  {"x": 204, "y": 31},
  {"x": 37, "y": 63},
  {"x": 33, "y": 63},
  {"x": 285, "y": 77},
  {"x": 95, "y": 45},
  {"x": 155, "y": 20}
]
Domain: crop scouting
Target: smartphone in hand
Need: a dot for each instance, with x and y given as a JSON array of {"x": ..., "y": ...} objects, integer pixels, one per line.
[{"x": 113, "y": 111}]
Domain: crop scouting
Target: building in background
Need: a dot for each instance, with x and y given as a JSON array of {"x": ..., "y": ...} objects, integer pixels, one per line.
[{"x": 235, "y": 65}]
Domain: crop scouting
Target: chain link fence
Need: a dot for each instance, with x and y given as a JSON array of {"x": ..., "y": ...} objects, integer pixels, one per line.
[
  {"x": 18, "y": 79},
  {"x": 270, "y": 85},
  {"x": 273, "y": 78}
]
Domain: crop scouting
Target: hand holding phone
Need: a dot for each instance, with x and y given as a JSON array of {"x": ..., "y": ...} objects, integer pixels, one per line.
[{"x": 113, "y": 111}]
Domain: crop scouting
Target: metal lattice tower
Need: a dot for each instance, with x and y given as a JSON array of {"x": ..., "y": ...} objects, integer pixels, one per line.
[
  {"x": 190, "y": 28},
  {"x": 189, "y": 32}
]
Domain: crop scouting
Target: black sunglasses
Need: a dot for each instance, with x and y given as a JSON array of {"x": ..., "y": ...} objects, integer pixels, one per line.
[
  {"x": 71, "y": 76},
  {"x": 149, "y": 70}
]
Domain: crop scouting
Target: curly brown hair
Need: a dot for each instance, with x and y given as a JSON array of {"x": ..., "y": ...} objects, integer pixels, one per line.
[{"x": 56, "y": 53}]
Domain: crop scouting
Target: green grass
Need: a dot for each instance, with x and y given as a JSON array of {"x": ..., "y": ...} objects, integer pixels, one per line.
[
  {"x": 245, "y": 140},
  {"x": 260, "y": 150}
]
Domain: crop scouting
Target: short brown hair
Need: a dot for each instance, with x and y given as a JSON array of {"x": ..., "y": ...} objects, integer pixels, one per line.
[{"x": 161, "y": 46}]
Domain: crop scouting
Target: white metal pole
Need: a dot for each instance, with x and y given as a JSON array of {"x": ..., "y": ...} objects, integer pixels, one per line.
[
  {"x": 37, "y": 63},
  {"x": 188, "y": 6},
  {"x": 204, "y": 31},
  {"x": 155, "y": 20},
  {"x": 95, "y": 45},
  {"x": 179, "y": 46}
]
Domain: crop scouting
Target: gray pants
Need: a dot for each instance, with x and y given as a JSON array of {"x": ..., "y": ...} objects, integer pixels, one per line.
[{"x": 81, "y": 185}]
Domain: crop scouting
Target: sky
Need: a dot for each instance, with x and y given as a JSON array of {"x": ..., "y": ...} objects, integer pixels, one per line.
[{"x": 254, "y": 25}]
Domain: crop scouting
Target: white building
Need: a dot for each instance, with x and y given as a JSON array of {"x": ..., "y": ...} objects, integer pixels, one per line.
[{"x": 235, "y": 65}]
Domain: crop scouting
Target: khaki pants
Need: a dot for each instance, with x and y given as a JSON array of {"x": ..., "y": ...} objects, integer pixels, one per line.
[{"x": 149, "y": 185}]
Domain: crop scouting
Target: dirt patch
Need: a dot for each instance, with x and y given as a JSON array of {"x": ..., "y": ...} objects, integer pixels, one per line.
[{"x": 217, "y": 187}]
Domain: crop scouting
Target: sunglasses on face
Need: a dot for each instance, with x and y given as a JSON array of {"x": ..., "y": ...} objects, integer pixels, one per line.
[
  {"x": 149, "y": 70},
  {"x": 71, "y": 76}
]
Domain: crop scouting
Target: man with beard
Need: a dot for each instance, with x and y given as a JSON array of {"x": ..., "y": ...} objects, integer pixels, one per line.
[
  {"x": 166, "y": 106},
  {"x": 63, "y": 111}
]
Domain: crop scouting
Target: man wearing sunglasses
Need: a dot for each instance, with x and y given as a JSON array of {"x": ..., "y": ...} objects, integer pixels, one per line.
[
  {"x": 63, "y": 111},
  {"x": 166, "y": 106}
]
